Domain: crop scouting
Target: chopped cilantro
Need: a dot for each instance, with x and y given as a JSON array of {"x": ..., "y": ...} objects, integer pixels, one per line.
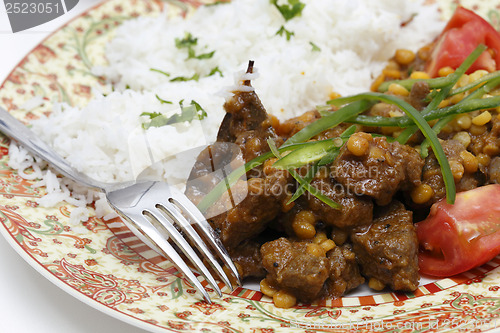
[
  {"x": 214, "y": 71},
  {"x": 290, "y": 10},
  {"x": 188, "y": 113},
  {"x": 282, "y": 31},
  {"x": 159, "y": 71},
  {"x": 315, "y": 48},
  {"x": 192, "y": 55},
  {"x": 162, "y": 101},
  {"x": 195, "y": 77},
  {"x": 189, "y": 42}
]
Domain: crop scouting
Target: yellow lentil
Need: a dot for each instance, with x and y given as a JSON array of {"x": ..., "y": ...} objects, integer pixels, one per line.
[
  {"x": 320, "y": 237},
  {"x": 303, "y": 230},
  {"x": 491, "y": 149},
  {"x": 419, "y": 75},
  {"x": 339, "y": 236},
  {"x": 404, "y": 56},
  {"x": 327, "y": 245},
  {"x": 358, "y": 145},
  {"x": 483, "y": 159},
  {"x": 267, "y": 289},
  {"x": 464, "y": 121},
  {"x": 268, "y": 166},
  {"x": 256, "y": 185},
  {"x": 464, "y": 138},
  {"x": 392, "y": 73},
  {"x": 457, "y": 169},
  {"x": 375, "y": 284},
  {"x": 477, "y": 130},
  {"x": 470, "y": 161},
  {"x": 482, "y": 119},
  {"x": 284, "y": 300},
  {"x": 445, "y": 71},
  {"x": 378, "y": 81},
  {"x": 315, "y": 250},
  {"x": 456, "y": 98},
  {"x": 422, "y": 193}
]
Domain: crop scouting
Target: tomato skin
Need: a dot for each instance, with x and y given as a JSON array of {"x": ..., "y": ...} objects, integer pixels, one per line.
[
  {"x": 456, "y": 238},
  {"x": 462, "y": 34}
]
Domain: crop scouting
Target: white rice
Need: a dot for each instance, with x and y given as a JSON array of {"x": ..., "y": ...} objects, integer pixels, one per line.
[{"x": 105, "y": 140}]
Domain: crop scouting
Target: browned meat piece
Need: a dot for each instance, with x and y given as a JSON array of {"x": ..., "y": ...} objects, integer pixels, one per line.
[
  {"x": 387, "y": 249},
  {"x": 418, "y": 93},
  {"x": 356, "y": 210},
  {"x": 344, "y": 271},
  {"x": 292, "y": 268},
  {"x": 465, "y": 178},
  {"x": 494, "y": 171},
  {"x": 291, "y": 126},
  {"x": 380, "y": 170},
  {"x": 251, "y": 204},
  {"x": 248, "y": 260},
  {"x": 486, "y": 139}
]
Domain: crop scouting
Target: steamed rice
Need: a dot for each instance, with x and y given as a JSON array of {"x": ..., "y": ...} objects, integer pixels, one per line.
[{"x": 105, "y": 139}]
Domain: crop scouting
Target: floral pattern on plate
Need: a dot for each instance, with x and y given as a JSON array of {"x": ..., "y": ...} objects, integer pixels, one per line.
[{"x": 108, "y": 268}]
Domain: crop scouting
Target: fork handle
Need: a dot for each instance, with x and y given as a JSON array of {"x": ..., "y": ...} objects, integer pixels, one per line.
[{"x": 16, "y": 130}]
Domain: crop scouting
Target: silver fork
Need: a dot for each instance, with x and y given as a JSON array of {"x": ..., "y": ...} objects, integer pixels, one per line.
[{"x": 154, "y": 211}]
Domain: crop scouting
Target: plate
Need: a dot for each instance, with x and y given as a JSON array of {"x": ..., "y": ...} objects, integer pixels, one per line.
[{"x": 105, "y": 266}]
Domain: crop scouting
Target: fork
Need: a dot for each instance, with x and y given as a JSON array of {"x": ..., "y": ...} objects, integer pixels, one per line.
[{"x": 154, "y": 211}]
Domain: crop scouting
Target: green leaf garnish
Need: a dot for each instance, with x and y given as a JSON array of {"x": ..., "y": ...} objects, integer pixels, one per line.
[
  {"x": 187, "y": 42},
  {"x": 303, "y": 182},
  {"x": 188, "y": 113},
  {"x": 159, "y": 71},
  {"x": 195, "y": 77},
  {"x": 290, "y": 10},
  {"x": 287, "y": 33},
  {"x": 315, "y": 48},
  {"x": 162, "y": 101},
  {"x": 214, "y": 71},
  {"x": 310, "y": 153}
]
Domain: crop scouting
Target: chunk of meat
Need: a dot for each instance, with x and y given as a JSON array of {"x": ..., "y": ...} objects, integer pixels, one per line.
[
  {"x": 431, "y": 175},
  {"x": 494, "y": 171},
  {"x": 292, "y": 268},
  {"x": 291, "y": 126},
  {"x": 387, "y": 249},
  {"x": 248, "y": 260},
  {"x": 245, "y": 210},
  {"x": 380, "y": 171},
  {"x": 344, "y": 271},
  {"x": 356, "y": 210},
  {"x": 418, "y": 94}
]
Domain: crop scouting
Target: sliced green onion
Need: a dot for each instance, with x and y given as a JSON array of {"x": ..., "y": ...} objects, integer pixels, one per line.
[
  {"x": 308, "y": 178},
  {"x": 434, "y": 83},
  {"x": 305, "y": 184},
  {"x": 313, "y": 152},
  {"x": 331, "y": 120},
  {"x": 222, "y": 187},
  {"x": 421, "y": 124},
  {"x": 424, "y": 147}
]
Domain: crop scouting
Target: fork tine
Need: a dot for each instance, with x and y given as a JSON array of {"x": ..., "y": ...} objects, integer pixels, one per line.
[
  {"x": 195, "y": 215},
  {"x": 183, "y": 245},
  {"x": 196, "y": 239},
  {"x": 149, "y": 233}
]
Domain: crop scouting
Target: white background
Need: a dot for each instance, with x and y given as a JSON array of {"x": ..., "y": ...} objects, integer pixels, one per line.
[{"x": 29, "y": 302}]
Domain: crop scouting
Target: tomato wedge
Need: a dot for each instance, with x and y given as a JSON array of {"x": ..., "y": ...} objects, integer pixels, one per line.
[
  {"x": 455, "y": 238},
  {"x": 461, "y": 35}
]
